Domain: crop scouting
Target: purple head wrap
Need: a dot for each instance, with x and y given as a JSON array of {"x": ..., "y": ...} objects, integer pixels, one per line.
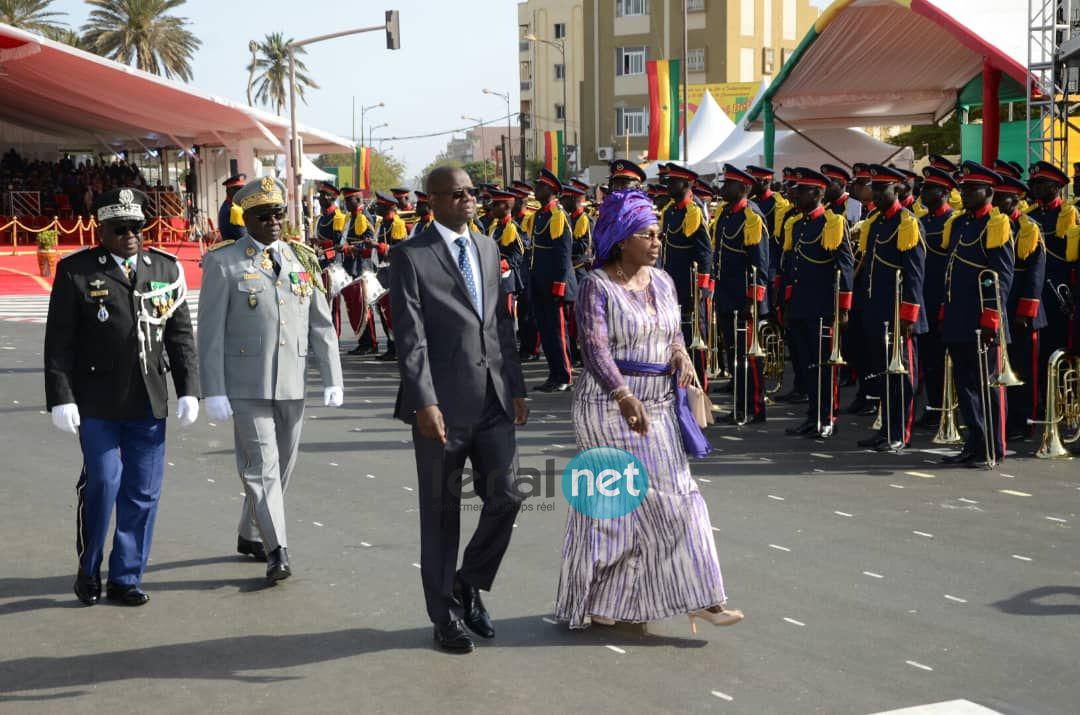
[{"x": 622, "y": 214}]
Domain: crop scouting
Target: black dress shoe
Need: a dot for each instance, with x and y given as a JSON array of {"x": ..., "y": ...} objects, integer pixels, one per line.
[
  {"x": 545, "y": 386},
  {"x": 798, "y": 397},
  {"x": 364, "y": 350},
  {"x": 476, "y": 616},
  {"x": 251, "y": 548},
  {"x": 388, "y": 356},
  {"x": 560, "y": 387},
  {"x": 452, "y": 637},
  {"x": 887, "y": 446},
  {"x": 87, "y": 588},
  {"x": 963, "y": 458},
  {"x": 805, "y": 428},
  {"x": 277, "y": 565},
  {"x": 868, "y": 411},
  {"x": 126, "y": 594},
  {"x": 873, "y": 441}
]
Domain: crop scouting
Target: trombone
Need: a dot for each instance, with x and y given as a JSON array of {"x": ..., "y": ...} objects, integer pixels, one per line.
[
  {"x": 986, "y": 397},
  {"x": 948, "y": 430},
  {"x": 834, "y": 361},
  {"x": 1006, "y": 376},
  {"x": 894, "y": 358},
  {"x": 1062, "y": 406},
  {"x": 696, "y": 343}
]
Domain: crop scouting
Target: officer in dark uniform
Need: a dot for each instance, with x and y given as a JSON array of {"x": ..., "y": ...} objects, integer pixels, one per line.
[
  {"x": 740, "y": 268},
  {"x": 817, "y": 277},
  {"x": 230, "y": 216},
  {"x": 507, "y": 234},
  {"x": 905, "y": 190},
  {"x": 572, "y": 200},
  {"x": 528, "y": 333},
  {"x": 329, "y": 225},
  {"x": 687, "y": 251},
  {"x": 424, "y": 215},
  {"x": 402, "y": 196},
  {"x": 938, "y": 184},
  {"x": 856, "y": 350},
  {"x": 775, "y": 209},
  {"x": 551, "y": 279},
  {"x": 939, "y": 162},
  {"x": 356, "y": 238},
  {"x": 1026, "y": 313},
  {"x": 117, "y": 324},
  {"x": 978, "y": 239},
  {"x": 836, "y": 198},
  {"x": 389, "y": 232},
  {"x": 892, "y": 243},
  {"x": 1055, "y": 219},
  {"x": 625, "y": 174}
]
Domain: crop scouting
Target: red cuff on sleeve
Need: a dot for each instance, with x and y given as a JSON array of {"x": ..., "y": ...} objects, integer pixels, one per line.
[
  {"x": 504, "y": 265},
  {"x": 787, "y": 293},
  {"x": 329, "y": 255},
  {"x": 990, "y": 319},
  {"x": 909, "y": 312},
  {"x": 941, "y": 312},
  {"x": 383, "y": 249},
  {"x": 558, "y": 289},
  {"x": 703, "y": 280},
  {"x": 845, "y": 300},
  {"x": 758, "y": 293},
  {"x": 366, "y": 252},
  {"x": 1028, "y": 307},
  {"x": 712, "y": 285}
]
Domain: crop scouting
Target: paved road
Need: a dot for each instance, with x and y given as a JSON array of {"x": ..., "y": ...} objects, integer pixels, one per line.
[
  {"x": 870, "y": 582},
  {"x": 34, "y": 308}
]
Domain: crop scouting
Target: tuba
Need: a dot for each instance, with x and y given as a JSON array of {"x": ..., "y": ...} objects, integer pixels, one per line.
[{"x": 1062, "y": 406}]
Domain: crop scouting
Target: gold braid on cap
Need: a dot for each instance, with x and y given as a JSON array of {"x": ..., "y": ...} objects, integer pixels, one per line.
[{"x": 269, "y": 193}]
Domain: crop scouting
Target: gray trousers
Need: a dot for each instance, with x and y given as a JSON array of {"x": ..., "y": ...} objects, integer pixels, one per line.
[{"x": 267, "y": 434}]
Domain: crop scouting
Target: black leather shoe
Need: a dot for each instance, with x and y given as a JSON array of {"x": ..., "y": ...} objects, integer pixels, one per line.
[
  {"x": 87, "y": 588},
  {"x": 963, "y": 458},
  {"x": 870, "y": 410},
  {"x": 452, "y": 637},
  {"x": 529, "y": 357},
  {"x": 388, "y": 356},
  {"x": 886, "y": 446},
  {"x": 126, "y": 595},
  {"x": 277, "y": 565},
  {"x": 364, "y": 350},
  {"x": 805, "y": 428},
  {"x": 873, "y": 441},
  {"x": 545, "y": 386},
  {"x": 251, "y": 548},
  {"x": 476, "y": 616}
]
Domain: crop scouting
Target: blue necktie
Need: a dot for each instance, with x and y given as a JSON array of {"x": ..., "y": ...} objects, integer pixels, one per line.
[{"x": 466, "y": 271}]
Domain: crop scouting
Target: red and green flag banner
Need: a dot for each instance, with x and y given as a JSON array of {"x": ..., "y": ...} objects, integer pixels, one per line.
[
  {"x": 664, "y": 100},
  {"x": 555, "y": 154},
  {"x": 363, "y": 163}
]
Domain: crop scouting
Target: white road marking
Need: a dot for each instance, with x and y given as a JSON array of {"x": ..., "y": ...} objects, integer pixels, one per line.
[
  {"x": 416, "y": 565},
  {"x": 896, "y": 486},
  {"x": 821, "y": 455},
  {"x": 731, "y": 438},
  {"x": 967, "y": 501},
  {"x": 370, "y": 476},
  {"x": 773, "y": 496},
  {"x": 949, "y": 707},
  {"x": 955, "y": 599},
  {"x": 818, "y": 471},
  {"x": 365, "y": 544},
  {"x": 722, "y": 696},
  {"x": 843, "y": 513},
  {"x": 871, "y": 574},
  {"x": 172, "y": 464},
  {"x": 1058, "y": 520},
  {"x": 715, "y": 529},
  {"x": 552, "y": 621},
  {"x": 616, "y": 649},
  {"x": 333, "y": 464},
  {"x": 317, "y": 523},
  {"x": 211, "y": 481},
  {"x": 1014, "y": 493},
  {"x": 1021, "y": 558},
  {"x": 778, "y": 547},
  {"x": 357, "y": 429},
  {"x": 923, "y": 533},
  {"x": 706, "y": 481},
  {"x": 408, "y": 489},
  {"x": 1008, "y": 476},
  {"x": 921, "y": 475},
  {"x": 920, "y": 666},
  {"x": 793, "y": 622}
]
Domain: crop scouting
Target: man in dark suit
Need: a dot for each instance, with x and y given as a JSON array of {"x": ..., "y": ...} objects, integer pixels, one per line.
[
  {"x": 117, "y": 324},
  {"x": 463, "y": 392}
]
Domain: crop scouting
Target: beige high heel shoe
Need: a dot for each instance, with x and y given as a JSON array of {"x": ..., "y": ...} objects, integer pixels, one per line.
[
  {"x": 602, "y": 621},
  {"x": 720, "y": 617}
]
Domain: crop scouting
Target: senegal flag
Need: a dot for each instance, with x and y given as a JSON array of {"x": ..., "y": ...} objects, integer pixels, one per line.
[
  {"x": 363, "y": 163},
  {"x": 555, "y": 154},
  {"x": 664, "y": 100}
]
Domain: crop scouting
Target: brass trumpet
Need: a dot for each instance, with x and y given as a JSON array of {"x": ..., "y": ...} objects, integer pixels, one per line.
[
  {"x": 896, "y": 356},
  {"x": 835, "y": 358},
  {"x": 1006, "y": 377},
  {"x": 755, "y": 343},
  {"x": 948, "y": 429},
  {"x": 696, "y": 343},
  {"x": 1062, "y": 406}
]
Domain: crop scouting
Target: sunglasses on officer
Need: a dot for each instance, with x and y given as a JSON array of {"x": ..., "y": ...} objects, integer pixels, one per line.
[
  {"x": 274, "y": 214},
  {"x": 458, "y": 195},
  {"x": 123, "y": 228}
]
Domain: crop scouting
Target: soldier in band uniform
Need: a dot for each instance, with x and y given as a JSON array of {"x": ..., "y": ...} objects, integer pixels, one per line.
[
  {"x": 552, "y": 280},
  {"x": 230, "y": 216},
  {"x": 117, "y": 325},
  {"x": 572, "y": 200}
]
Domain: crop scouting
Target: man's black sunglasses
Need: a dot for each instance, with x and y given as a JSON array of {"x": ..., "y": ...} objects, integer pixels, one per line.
[
  {"x": 458, "y": 195},
  {"x": 279, "y": 214}
]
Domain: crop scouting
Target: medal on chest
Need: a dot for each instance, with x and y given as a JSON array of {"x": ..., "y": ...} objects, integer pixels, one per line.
[
  {"x": 266, "y": 264},
  {"x": 103, "y": 312},
  {"x": 301, "y": 285}
]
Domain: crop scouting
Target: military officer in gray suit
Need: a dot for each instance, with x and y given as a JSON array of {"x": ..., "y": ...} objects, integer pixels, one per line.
[{"x": 261, "y": 310}]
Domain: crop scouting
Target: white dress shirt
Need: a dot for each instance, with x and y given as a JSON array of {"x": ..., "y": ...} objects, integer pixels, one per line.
[{"x": 472, "y": 255}]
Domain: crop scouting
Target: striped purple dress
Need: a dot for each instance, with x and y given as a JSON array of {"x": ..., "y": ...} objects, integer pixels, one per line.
[{"x": 660, "y": 560}]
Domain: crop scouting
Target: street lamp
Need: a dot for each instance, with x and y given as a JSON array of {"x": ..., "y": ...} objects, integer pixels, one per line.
[
  {"x": 509, "y": 135},
  {"x": 371, "y": 134},
  {"x": 483, "y": 151},
  {"x": 561, "y": 47},
  {"x": 393, "y": 41},
  {"x": 363, "y": 110}
]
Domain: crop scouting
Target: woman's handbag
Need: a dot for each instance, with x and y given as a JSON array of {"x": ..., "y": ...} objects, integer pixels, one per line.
[
  {"x": 694, "y": 440},
  {"x": 700, "y": 404}
]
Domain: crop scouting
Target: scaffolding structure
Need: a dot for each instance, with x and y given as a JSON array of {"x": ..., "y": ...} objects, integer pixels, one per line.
[{"x": 1051, "y": 44}]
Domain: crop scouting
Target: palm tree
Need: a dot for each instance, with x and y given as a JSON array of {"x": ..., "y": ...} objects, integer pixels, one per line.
[
  {"x": 30, "y": 15},
  {"x": 68, "y": 37},
  {"x": 141, "y": 32},
  {"x": 272, "y": 64}
]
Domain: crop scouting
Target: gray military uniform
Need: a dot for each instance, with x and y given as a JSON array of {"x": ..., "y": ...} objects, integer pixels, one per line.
[{"x": 255, "y": 331}]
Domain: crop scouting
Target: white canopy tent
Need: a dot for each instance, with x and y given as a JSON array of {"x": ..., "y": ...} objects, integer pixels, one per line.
[{"x": 708, "y": 129}]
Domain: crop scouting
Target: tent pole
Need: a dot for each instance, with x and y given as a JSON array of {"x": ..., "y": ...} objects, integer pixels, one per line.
[
  {"x": 991, "y": 126},
  {"x": 808, "y": 140},
  {"x": 770, "y": 134}
]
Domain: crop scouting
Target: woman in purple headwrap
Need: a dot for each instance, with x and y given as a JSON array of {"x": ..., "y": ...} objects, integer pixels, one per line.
[{"x": 659, "y": 560}]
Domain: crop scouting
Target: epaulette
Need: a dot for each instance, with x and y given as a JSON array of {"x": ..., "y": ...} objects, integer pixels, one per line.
[
  {"x": 398, "y": 231},
  {"x": 998, "y": 229},
  {"x": 295, "y": 243},
  {"x": 527, "y": 223},
  {"x": 236, "y": 215},
  {"x": 1072, "y": 244},
  {"x": 789, "y": 229},
  {"x": 907, "y": 233},
  {"x": 581, "y": 228},
  {"x": 918, "y": 209},
  {"x": 867, "y": 226},
  {"x": 753, "y": 227},
  {"x": 946, "y": 233},
  {"x": 692, "y": 219},
  {"x": 509, "y": 234},
  {"x": 665, "y": 207},
  {"x": 1024, "y": 206},
  {"x": 308, "y": 258},
  {"x": 361, "y": 224},
  {"x": 1066, "y": 219},
  {"x": 1028, "y": 239},
  {"x": 340, "y": 219},
  {"x": 955, "y": 201},
  {"x": 832, "y": 235},
  {"x": 162, "y": 253},
  {"x": 557, "y": 223},
  {"x": 221, "y": 244}
]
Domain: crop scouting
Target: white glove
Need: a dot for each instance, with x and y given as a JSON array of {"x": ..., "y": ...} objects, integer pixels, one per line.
[
  {"x": 65, "y": 417},
  {"x": 187, "y": 410},
  {"x": 218, "y": 408},
  {"x": 333, "y": 396}
]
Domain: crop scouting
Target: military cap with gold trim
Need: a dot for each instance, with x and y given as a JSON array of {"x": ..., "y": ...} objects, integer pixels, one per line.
[
  {"x": 347, "y": 191},
  {"x": 571, "y": 190},
  {"x": 120, "y": 205},
  {"x": 760, "y": 172},
  {"x": 1006, "y": 169},
  {"x": 702, "y": 190},
  {"x": 580, "y": 184},
  {"x": 861, "y": 171},
  {"x": 546, "y": 177},
  {"x": 681, "y": 172},
  {"x": 733, "y": 173},
  {"x": 421, "y": 196},
  {"x": 940, "y": 177},
  {"x": 881, "y": 174},
  {"x": 524, "y": 186},
  {"x": 1010, "y": 185},
  {"x": 972, "y": 172},
  {"x": 266, "y": 191},
  {"x": 1045, "y": 171},
  {"x": 805, "y": 176},
  {"x": 507, "y": 195},
  {"x": 626, "y": 169},
  {"x": 384, "y": 199}
]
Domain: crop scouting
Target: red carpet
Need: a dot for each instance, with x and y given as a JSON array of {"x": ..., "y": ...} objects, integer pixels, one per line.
[{"x": 19, "y": 273}]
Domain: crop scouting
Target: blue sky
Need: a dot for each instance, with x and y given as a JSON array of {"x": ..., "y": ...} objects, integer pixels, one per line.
[{"x": 450, "y": 52}]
